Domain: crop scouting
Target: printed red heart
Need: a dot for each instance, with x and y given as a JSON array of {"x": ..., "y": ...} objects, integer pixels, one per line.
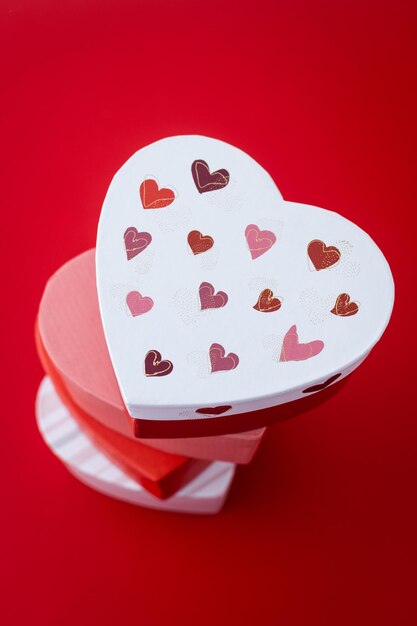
[
  {"x": 221, "y": 362},
  {"x": 154, "y": 198},
  {"x": 214, "y": 410},
  {"x": 135, "y": 242},
  {"x": 321, "y": 386},
  {"x": 207, "y": 181},
  {"x": 267, "y": 303},
  {"x": 209, "y": 299},
  {"x": 198, "y": 242},
  {"x": 322, "y": 256},
  {"x": 344, "y": 307},
  {"x": 155, "y": 366}
]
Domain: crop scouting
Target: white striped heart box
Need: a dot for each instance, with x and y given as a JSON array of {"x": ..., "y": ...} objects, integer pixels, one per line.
[{"x": 205, "y": 494}]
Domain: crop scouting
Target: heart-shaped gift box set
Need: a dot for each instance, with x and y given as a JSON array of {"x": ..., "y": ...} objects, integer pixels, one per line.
[{"x": 210, "y": 308}]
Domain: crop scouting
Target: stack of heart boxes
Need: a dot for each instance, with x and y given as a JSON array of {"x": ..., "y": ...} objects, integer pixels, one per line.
[{"x": 80, "y": 411}]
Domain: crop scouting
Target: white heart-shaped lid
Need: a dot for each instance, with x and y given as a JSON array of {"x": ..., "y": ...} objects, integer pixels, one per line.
[{"x": 217, "y": 296}]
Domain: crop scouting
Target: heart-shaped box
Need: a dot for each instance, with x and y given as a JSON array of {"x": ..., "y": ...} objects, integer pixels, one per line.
[
  {"x": 205, "y": 494},
  {"x": 70, "y": 334},
  {"x": 216, "y": 294}
]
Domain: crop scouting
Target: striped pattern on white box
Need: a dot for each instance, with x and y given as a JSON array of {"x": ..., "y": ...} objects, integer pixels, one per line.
[{"x": 61, "y": 433}]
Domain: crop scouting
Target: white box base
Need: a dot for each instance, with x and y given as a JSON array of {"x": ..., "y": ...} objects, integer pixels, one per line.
[{"x": 61, "y": 433}]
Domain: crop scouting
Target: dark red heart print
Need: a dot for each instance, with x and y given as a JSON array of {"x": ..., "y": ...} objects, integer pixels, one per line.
[
  {"x": 214, "y": 410},
  {"x": 155, "y": 365},
  {"x": 321, "y": 386},
  {"x": 205, "y": 180}
]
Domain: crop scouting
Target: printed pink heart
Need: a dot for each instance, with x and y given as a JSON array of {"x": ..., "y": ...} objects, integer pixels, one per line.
[
  {"x": 292, "y": 350},
  {"x": 138, "y": 304},
  {"x": 221, "y": 362},
  {"x": 155, "y": 365},
  {"x": 259, "y": 241},
  {"x": 135, "y": 242},
  {"x": 214, "y": 410},
  {"x": 209, "y": 299}
]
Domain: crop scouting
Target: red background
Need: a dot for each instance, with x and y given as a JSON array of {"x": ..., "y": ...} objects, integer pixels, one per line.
[{"x": 320, "y": 529}]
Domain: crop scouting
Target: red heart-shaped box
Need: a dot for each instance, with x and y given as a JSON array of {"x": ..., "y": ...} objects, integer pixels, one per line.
[{"x": 70, "y": 332}]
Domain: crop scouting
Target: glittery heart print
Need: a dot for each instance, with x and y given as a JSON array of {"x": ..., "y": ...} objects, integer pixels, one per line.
[
  {"x": 207, "y": 181},
  {"x": 198, "y": 242},
  {"x": 209, "y": 299},
  {"x": 135, "y": 242},
  {"x": 344, "y": 307},
  {"x": 154, "y": 198},
  {"x": 322, "y": 256},
  {"x": 267, "y": 303},
  {"x": 155, "y": 365}
]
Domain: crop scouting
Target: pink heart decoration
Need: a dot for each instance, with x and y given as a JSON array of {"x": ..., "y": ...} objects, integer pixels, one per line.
[
  {"x": 209, "y": 299},
  {"x": 138, "y": 304},
  {"x": 292, "y": 350},
  {"x": 135, "y": 242},
  {"x": 221, "y": 362},
  {"x": 259, "y": 241}
]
